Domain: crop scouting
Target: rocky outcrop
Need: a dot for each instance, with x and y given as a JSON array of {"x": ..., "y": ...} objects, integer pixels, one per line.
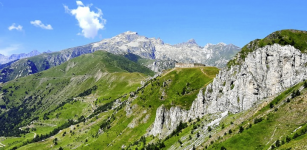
[
  {"x": 166, "y": 121},
  {"x": 160, "y": 65},
  {"x": 265, "y": 72}
]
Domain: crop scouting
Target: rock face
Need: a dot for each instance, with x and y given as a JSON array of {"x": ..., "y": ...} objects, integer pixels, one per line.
[
  {"x": 265, "y": 72},
  {"x": 166, "y": 121}
]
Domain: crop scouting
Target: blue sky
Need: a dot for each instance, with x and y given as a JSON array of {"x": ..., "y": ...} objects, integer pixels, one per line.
[{"x": 57, "y": 25}]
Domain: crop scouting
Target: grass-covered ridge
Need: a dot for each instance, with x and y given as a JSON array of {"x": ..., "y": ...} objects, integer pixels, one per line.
[
  {"x": 177, "y": 87},
  {"x": 122, "y": 127},
  {"x": 33, "y": 97},
  {"x": 296, "y": 38}
]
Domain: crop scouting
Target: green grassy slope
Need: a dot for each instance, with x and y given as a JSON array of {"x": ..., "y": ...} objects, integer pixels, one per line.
[
  {"x": 296, "y": 38},
  {"x": 32, "y": 97},
  {"x": 180, "y": 87},
  {"x": 20, "y": 68},
  {"x": 124, "y": 129}
]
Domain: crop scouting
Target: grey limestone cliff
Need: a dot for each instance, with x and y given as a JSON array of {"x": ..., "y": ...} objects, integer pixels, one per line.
[
  {"x": 166, "y": 121},
  {"x": 265, "y": 72}
]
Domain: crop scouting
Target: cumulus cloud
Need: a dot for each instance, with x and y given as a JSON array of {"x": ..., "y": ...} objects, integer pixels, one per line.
[
  {"x": 89, "y": 21},
  {"x": 15, "y": 27},
  {"x": 39, "y": 23},
  {"x": 79, "y": 3}
]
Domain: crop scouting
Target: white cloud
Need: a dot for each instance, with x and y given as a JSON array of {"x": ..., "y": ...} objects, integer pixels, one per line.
[
  {"x": 39, "y": 23},
  {"x": 8, "y": 50},
  {"x": 79, "y": 3},
  {"x": 89, "y": 21},
  {"x": 15, "y": 27}
]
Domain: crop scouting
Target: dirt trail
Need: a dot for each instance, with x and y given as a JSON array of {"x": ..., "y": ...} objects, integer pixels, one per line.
[
  {"x": 202, "y": 70},
  {"x": 168, "y": 72}
]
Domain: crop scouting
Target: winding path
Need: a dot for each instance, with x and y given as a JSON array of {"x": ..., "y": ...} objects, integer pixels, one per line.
[{"x": 168, "y": 72}]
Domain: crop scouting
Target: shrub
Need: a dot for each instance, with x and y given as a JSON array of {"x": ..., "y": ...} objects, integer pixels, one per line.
[
  {"x": 288, "y": 100},
  {"x": 277, "y": 143},
  {"x": 295, "y": 93},
  {"x": 241, "y": 129},
  {"x": 179, "y": 142},
  {"x": 209, "y": 129},
  {"x": 271, "y": 105},
  {"x": 288, "y": 139}
]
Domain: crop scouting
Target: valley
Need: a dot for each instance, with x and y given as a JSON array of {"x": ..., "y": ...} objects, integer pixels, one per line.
[{"x": 113, "y": 99}]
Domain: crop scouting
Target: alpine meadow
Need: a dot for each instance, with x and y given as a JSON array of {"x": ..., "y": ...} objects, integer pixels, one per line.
[{"x": 99, "y": 85}]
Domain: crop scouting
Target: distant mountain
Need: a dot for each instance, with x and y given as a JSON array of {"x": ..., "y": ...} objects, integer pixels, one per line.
[
  {"x": 152, "y": 52},
  {"x": 13, "y": 57},
  {"x": 152, "y": 48}
]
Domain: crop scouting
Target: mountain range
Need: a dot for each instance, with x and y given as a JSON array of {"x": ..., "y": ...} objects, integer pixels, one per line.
[
  {"x": 109, "y": 99},
  {"x": 152, "y": 48},
  {"x": 6, "y": 59},
  {"x": 150, "y": 52}
]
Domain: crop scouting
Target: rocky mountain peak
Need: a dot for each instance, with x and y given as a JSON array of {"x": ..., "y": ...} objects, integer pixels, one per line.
[
  {"x": 221, "y": 44},
  {"x": 191, "y": 41},
  {"x": 130, "y": 33},
  {"x": 34, "y": 52},
  {"x": 48, "y": 51},
  {"x": 127, "y": 36}
]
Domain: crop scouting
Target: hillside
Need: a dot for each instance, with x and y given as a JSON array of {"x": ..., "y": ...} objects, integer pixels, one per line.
[
  {"x": 105, "y": 75},
  {"x": 31, "y": 65},
  {"x": 133, "y": 113}
]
